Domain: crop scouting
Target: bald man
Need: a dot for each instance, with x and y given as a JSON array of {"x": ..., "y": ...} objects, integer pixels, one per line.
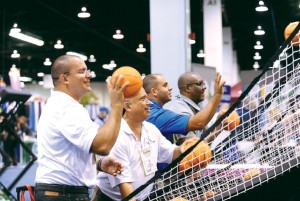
[
  {"x": 190, "y": 118},
  {"x": 67, "y": 137}
]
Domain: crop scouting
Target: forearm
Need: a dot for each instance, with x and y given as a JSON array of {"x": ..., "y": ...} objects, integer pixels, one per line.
[
  {"x": 202, "y": 118},
  {"x": 177, "y": 152},
  {"x": 125, "y": 189},
  {"x": 108, "y": 133}
]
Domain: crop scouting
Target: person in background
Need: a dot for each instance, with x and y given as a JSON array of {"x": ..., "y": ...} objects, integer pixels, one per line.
[
  {"x": 22, "y": 128},
  {"x": 68, "y": 139},
  {"x": 192, "y": 92},
  {"x": 140, "y": 145},
  {"x": 169, "y": 122},
  {"x": 102, "y": 116}
]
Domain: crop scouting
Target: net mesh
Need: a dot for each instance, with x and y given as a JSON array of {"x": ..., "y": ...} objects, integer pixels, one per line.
[{"x": 263, "y": 143}]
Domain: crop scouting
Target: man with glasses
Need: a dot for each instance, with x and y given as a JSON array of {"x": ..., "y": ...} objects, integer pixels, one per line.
[{"x": 67, "y": 138}]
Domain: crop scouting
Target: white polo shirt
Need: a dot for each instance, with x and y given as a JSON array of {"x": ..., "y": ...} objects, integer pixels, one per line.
[
  {"x": 65, "y": 133},
  {"x": 127, "y": 150}
]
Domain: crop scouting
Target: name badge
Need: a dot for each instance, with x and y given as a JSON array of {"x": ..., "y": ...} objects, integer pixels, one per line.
[{"x": 148, "y": 161}]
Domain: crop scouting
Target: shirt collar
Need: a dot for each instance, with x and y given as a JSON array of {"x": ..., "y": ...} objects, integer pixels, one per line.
[{"x": 189, "y": 101}]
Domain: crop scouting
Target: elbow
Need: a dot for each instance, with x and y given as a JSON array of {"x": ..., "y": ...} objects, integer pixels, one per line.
[{"x": 101, "y": 150}]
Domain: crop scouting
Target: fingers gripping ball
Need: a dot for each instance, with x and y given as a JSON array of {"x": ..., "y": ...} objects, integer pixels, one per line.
[
  {"x": 133, "y": 77},
  {"x": 232, "y": 121},
  {"x": 289, "y": 29},
  {"x": 198, "y": 158}
]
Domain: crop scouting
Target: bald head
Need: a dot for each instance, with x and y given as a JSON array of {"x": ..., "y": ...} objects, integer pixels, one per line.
[
  {"x": 185, "y": 79},
  {"x": 60, "y": 66}
]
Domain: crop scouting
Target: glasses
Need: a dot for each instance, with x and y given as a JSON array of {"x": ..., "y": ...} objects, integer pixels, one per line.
[
  {"x": 85, "y": 72},
  {"x": 200, "y": 83}
]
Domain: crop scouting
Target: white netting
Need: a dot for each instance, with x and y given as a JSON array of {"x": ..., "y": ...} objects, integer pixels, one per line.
[{"x": 265, "y": 144}]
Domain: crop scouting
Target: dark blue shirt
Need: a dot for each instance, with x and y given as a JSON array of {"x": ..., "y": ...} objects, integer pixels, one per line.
[{"x": 166, "y": 121}]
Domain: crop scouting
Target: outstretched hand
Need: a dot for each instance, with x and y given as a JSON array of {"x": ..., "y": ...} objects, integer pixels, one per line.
[
  {"x": 219, "y": 83},
  {"x": 111, "y": 166}
]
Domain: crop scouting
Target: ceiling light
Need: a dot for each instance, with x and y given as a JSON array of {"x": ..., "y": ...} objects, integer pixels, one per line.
[
  {"x": 15, "y": 54},
  {"x": 26, "y": 38},
  {"x": 192, "y": 42},
  {"x": 15, "y": 28},
  {"x": 118, "y": 35},
  {"x": 40, "y": 74},
  {"x": 92, "y": 58},
  {"x": 261, "y": 7},
  {"x": 112, "y": 64},
  {"x": 259, "y": 31},
  {"x": 256, "y": 65},
  {"x": 25, "y": 79},
  {"x": 257, "y": 56},
  {"x": 107, "y": 66},
  {"x": 83, "y": 57},
  {"x": 58, "y": 45},
  {"x": 201, "y": 54},
  {"x": 84, "y": 13},
  {"x": 47, "y": 62},
  {"x": 258, "y": 46},
  {"x": 141, "y": 48}
]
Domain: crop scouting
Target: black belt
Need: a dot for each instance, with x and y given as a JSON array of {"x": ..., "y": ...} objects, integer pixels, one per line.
[{"x": 65, "y": 189}]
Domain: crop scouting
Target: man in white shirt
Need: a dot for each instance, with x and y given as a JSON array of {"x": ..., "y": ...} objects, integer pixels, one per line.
[
  {"x": 140, "y": 145},
  {"x": 67, "y": 138}
]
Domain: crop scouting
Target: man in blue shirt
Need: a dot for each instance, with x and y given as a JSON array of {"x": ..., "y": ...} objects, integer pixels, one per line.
[{"x": 168, "y": 122}]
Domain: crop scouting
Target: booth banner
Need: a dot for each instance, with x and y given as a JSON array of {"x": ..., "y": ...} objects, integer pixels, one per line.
[{"x": 226, "y": 98}]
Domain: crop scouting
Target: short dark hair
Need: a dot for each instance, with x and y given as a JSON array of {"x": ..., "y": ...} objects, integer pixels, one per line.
[{"x": 149, "y": 82}]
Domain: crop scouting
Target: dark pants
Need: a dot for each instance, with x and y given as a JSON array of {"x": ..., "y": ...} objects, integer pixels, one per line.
[
  {"x": 55, "y": 192},
  {"x": 98, "y": 195}
]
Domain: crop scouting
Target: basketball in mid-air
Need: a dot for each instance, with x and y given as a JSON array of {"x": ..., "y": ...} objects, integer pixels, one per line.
[
  {"x": 133, "y": 77},
  {"x": 198, "y": 158},
  {"x": 232, "y": 121},
  {"x": 288, "y": 30}
]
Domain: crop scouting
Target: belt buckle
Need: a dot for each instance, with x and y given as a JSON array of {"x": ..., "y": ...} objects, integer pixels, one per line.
[{"x": 51, "y": 193}]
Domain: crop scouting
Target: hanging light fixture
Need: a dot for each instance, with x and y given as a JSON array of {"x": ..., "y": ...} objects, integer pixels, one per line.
[
  {"x": 15, "y": 28},
  {"x": 258, "y": 46},
  {"x": 256, "y": 65},
  {"x": 259, "y": 31},
  {"x": 47, "y": 62},
  {"x": 118, "y": 35},
  {"x": 201, "y": 54},
  {"x": 15, "y": 32},
  {"x": 58, "y": 45},
  {"x": 141, "y": 48},
  {"x": 84, "y": 13},
  {"x": 92, "y": 58},
  {"x": 15, "y": 54},
  {"x": 261, "y": 7},
  {"x": 112, "y": 64},
  {"x": 256, "y": 56}
]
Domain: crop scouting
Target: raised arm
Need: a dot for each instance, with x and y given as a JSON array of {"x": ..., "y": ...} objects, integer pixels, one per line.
[
  {"x": 108, "y": 133},
  {"x": 201, "y": 119}
]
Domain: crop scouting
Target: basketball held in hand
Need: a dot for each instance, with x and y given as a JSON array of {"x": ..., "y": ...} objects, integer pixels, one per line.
[
  {"x": 133, "y": 77},
  {"x": 232, "y": 121},
  {"x": 198, "y": 158},
  {"x": 288, "y": 30}
]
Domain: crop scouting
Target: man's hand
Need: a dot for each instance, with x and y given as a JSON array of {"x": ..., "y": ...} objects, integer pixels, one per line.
[
  {"x": 111, "y": 166},
  {"x": 219, "y": 83}
]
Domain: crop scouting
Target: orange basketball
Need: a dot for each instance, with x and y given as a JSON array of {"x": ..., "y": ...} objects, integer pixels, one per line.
[
  {"x": 198, "y": 158},
  {"x": 288, "y": 30},
  {"x": 133, "y": 76},
  {"x": 233, "y": 120}
]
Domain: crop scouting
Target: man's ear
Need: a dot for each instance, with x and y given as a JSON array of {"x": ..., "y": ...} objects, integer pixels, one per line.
[
  {"x": 127, "y": 105},
  {"x": 153, "y": 91}
]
